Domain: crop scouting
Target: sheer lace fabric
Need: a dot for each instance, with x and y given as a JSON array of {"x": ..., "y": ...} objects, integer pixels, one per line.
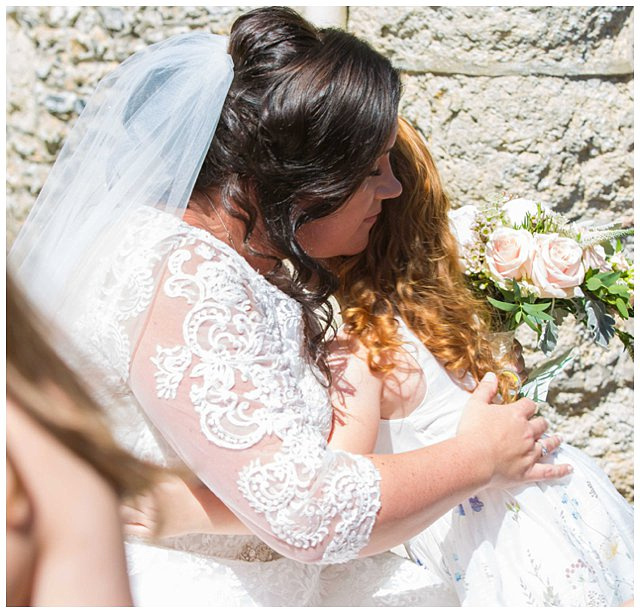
[{"x": 213, "y": 354}]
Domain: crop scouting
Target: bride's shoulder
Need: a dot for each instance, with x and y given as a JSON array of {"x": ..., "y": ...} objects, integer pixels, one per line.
[{"x": 153, "y": 232}]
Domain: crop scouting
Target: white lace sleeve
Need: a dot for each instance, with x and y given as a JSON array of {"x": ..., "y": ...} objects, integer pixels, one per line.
[{"x": 219, "y": 370}]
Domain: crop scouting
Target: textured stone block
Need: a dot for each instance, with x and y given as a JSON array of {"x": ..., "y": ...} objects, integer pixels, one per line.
[{"x": 497, "y": 40}]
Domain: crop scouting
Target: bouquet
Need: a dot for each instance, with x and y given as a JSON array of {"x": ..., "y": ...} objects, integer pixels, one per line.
[{"x": 534, "y": 267}]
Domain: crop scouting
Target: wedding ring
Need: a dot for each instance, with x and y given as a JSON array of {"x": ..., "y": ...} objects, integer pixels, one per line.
[{"x": 544, "y": 450}]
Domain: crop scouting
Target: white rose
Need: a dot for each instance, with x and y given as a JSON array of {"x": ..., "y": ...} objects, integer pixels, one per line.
[
  {"x": 595, "y": 257},
  {"x": 461, "y": 221},
  {"x": 509, "y": 253},
  {"x": 517, "y": 209},
  {"x": 557, "y": 268}
]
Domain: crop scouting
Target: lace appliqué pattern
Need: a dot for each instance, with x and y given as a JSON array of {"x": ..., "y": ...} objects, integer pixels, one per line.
[{"x": 243, "y": 354}]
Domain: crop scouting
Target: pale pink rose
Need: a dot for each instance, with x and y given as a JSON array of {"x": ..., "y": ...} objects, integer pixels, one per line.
[
  {"x": 557, "y": 266},
  {"x": 509, "y": 253},
  {"x": 595, "y": 257}
]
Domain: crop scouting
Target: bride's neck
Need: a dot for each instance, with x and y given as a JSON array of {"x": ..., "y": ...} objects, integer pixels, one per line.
[{"x": 204, "y": 211}]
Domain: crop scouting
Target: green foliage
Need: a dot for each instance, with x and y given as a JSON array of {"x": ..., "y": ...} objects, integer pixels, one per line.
[
  {"x": 612, "y": 289},
  {"x": 599, "y": 322},
  {"x": 549, "y": 338},
  {"x": 543, "y": 222},
  {"x": 627, "y": 340}
]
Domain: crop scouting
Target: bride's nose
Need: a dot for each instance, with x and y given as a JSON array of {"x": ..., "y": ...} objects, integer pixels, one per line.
[{"x": 390, "y": 187}]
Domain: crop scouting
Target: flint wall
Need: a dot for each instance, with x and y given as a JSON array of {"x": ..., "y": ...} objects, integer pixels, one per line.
[{"x": 534, "y": 101}]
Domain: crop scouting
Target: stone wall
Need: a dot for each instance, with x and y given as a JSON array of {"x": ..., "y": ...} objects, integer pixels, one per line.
[{"x": 535, "y": 101}]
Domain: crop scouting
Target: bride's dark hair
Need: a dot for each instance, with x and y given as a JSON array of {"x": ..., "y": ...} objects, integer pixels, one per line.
[{"x": 308, "y": 113}]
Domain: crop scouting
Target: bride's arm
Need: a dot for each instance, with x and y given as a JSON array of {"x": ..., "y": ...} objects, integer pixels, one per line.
[
  {"x": 210, "y": 374},
  {"x": 179, "y": 506},
  {"x": 357, "y": 397}
]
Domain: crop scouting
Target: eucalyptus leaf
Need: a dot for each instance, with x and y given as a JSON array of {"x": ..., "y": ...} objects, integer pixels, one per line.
[
  {"x": 599, "y": 322},
  {"x": 609, "y": 278},
  {"x": 536, "y": 387},
  {"x": 619, "y": 290},
  {"x": 549, "y": 338}
]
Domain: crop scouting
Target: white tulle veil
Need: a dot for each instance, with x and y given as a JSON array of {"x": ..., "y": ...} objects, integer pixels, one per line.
[{"x": 140, "y": 141}]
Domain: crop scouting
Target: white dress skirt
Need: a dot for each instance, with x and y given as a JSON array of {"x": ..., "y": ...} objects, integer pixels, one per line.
[{"x": 561, "y": 543}]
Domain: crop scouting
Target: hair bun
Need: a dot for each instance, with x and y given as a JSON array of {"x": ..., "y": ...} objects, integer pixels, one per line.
[{"x": 268, "y": 38}]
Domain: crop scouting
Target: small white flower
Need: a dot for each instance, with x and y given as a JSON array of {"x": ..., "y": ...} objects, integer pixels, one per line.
[
  {"x": 528, "y": 289},
  {"x": 517, "y": 209},
  {"x": 619, "y": 262}
]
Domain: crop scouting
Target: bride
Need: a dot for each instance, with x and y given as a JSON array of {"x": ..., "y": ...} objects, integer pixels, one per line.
[{"x": 159, "y": 241}]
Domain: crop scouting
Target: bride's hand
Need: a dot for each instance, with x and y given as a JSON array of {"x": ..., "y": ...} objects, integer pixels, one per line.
[
  {"x": 175, "y": 507},
  {"x": 170, "y": 509},
  {"x": 509, "y": 436}
]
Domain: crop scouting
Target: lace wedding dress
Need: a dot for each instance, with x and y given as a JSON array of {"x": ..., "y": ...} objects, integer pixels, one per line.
[
  {"x": 213, "y": 355},
  {"x": 562, "y": 543}
]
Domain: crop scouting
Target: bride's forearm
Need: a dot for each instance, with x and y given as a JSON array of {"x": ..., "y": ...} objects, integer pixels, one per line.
[
  {"x": 217, "y": 518},
  {"x": 418, "y": 487}
]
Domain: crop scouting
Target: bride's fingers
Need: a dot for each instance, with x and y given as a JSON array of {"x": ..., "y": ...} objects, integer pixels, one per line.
[
  {"x": 525, "y": 406},
  {"x": 539, "y": 426},
  {"x": 548, "y": 444},
  {"x": 129, "y": 514},
  {"x": 138, "y": 530},
  {"x": 546, "y": 472}
]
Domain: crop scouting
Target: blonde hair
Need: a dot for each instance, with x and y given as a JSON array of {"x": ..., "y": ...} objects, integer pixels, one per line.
[
  {"x": 411, "y": 268},
  {"x": 48, "y": 391}
]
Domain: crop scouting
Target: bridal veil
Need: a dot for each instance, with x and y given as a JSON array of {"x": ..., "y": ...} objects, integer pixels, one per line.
[{"x": 140, "y": 142}]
